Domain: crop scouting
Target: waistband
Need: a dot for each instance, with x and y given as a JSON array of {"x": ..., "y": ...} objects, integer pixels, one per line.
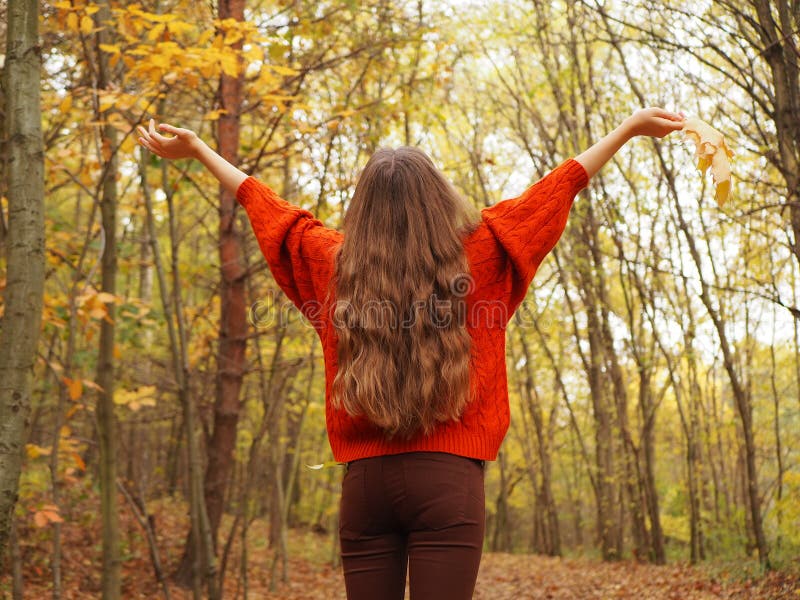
[{"x": 480, "y": 462}]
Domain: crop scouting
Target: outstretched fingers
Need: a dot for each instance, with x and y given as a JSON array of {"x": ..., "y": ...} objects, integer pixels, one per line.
[
  {"x": 155, "y": 136},
  {"x": 148, "y": 142},
  {"x": 173, "y": 130},
  {"x": 666, "y": 114},
  {"x": 672, "y": 123},
  {"x": 667, "y": 126},
  {"x": 145, "y": 144},
  {"x": 143, "y": 134}
]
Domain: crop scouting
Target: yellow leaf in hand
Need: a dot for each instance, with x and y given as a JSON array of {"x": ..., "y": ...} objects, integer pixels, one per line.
[{"x": 711, "y": 151}]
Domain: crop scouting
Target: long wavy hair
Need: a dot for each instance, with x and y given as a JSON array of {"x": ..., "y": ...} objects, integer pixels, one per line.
[{"x": 400, "y": 280}]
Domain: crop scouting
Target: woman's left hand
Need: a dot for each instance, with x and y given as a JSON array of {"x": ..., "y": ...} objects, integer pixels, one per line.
[
  {"x": 184, "y": 144},
  {"x": 654, "y": 122}
]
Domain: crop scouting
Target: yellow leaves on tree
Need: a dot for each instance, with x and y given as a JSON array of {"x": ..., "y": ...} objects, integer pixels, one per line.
[
  {"x": 87, "y": 25},
  {"x": 74, "y": 387},
  {"x": 69, "y": 447},
  {"x": 137, "y": 398},
  {"x": 92, "y": 305},
  {"x": 76, "y": 22},
  {"x": 34, "y": 451},
  {"x": 110, "y": 48},
  {"x": 281, "y": 70},
  {"x": 72, "y": 22},
  {"x": 711, "y": 151},
  {"x": 160, "y": 50},
  {"x": 214, "y": 115},
  {"x": 66, "y": 104}
]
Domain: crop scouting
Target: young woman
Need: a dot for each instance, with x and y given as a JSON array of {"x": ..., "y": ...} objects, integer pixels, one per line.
[{"x": 411, "y": 301}]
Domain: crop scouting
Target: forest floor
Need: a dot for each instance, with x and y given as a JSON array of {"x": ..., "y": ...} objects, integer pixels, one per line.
[{"x": 311, "y": 574}]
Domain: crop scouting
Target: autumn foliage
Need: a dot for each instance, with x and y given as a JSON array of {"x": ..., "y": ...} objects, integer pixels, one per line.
[{"x": 653, "y": 369}]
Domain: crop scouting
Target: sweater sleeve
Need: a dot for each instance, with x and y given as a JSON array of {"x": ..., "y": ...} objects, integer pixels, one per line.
[
  {"x": 296, "y": 245},
  {"x": 528, "y": 227}
]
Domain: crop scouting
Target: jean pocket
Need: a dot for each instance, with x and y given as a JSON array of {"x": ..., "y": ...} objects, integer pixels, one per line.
[
  {"x": 354, "y": 516},
  {"x": 436, "y": 491},
  {"x": 475, "y": 481}
]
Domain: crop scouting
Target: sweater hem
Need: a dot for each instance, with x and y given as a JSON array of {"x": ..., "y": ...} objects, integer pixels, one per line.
[{"x": 481, "y": 448}]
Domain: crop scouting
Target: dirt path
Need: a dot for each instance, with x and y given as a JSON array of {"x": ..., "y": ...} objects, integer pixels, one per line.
[
  {"x": 521, "y": 577},
  {"x": 502, "y": 576}
]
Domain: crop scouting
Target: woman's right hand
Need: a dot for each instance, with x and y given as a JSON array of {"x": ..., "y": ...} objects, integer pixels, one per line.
[
  {"x": 654, "y": 121},
  {"x": 184, "y": 144}
]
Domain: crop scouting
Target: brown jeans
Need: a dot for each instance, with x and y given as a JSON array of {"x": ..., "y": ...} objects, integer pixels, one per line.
[{"x": 421, "y": 510}]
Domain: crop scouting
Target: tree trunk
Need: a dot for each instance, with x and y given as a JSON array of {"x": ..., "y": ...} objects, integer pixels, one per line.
[
  {"x": 544, "y": 489},
  {"x": 776, "y": 403},
  {"x": 25, "y": 250},
  {"x": 17, "y": 582},
  {"x": 742, "y": 399},
  {"x": 199, "y": 534},
  {"x": 501, "y": 539},
  {"x": 648, "y": 444},
  {"x": 630, "y": 453},
  {"x": 780, "y": 51},
  {"x": 233, "y": 317},
  {"x": 693, "y": 458},
  {"x": 605, "y": 475},
  {"x": 107, "y": 433}
]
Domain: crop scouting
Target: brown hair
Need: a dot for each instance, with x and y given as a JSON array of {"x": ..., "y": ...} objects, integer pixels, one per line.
[{"x": 400, "y": 276}]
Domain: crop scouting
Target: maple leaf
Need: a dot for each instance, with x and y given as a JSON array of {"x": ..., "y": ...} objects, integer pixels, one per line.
[{"x": 711, "y": 151}]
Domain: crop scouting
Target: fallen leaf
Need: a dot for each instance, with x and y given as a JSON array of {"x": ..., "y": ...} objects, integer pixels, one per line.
[{"x": 330, "y": 463}]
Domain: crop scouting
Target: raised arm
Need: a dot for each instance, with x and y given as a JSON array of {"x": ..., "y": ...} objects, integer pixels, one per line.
[
  {"x": 297, "y": 246},
  {"x": 528, "y": 226},
  {"x": 186, "y": 144},
  {"x": 654, "y": 121}
]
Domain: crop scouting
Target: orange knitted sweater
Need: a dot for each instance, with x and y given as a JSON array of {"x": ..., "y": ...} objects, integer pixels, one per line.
[{"x": 503, "y": 253}]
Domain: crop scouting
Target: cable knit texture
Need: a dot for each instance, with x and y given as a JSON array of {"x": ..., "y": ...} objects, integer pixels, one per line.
[{"x": 504, "y": 253}]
